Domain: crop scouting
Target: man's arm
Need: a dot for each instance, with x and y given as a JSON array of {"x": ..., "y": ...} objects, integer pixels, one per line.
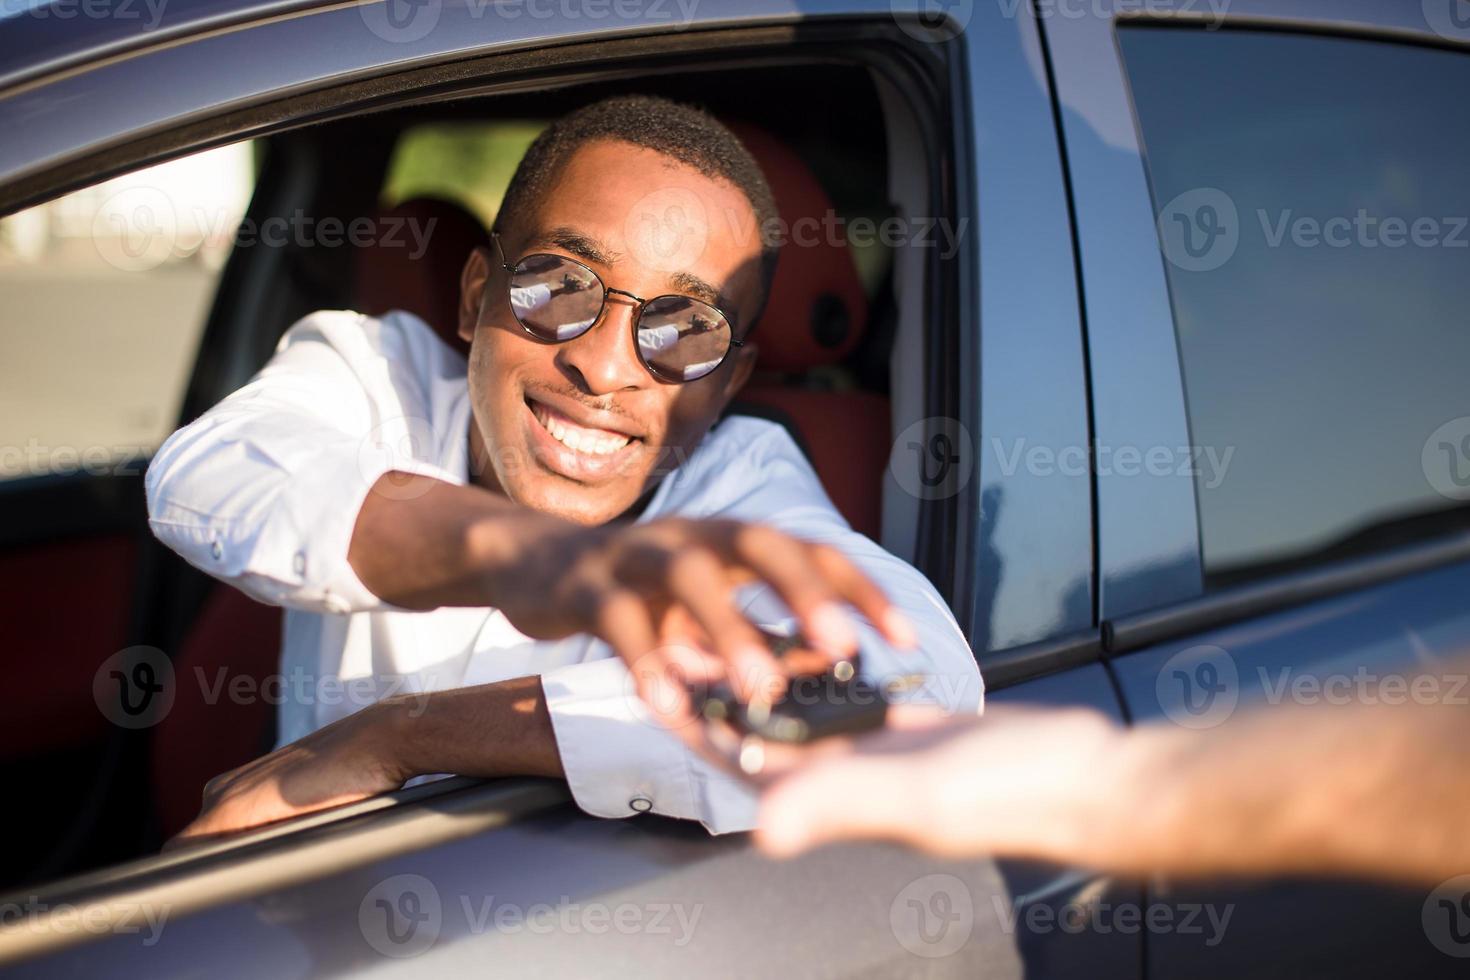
[
  {"x": 492, "y": 730},
  {"x": 420, "y": 543},
  {"x": 1363, "y": 790}
]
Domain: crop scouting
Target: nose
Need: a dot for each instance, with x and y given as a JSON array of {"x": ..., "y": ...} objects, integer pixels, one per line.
[{"x": 603, "y": 360}]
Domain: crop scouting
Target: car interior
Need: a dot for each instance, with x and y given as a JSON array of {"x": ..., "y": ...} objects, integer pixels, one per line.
[{"x": 844, "y": 363}]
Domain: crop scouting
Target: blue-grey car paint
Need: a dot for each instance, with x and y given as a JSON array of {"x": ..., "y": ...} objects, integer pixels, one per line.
[
  {"x": 1147, "y": 536},
  {"x": 1033, "y": 578},
  {"x": 1149, "y": 552}
]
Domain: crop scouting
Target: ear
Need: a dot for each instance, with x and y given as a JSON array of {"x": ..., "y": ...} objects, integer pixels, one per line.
[
  {"x": 744, "y": 358},
  {"x": 473, "y": 279}
]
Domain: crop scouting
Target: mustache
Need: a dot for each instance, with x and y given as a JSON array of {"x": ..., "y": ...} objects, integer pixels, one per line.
[{"x": 572, "y": 393}]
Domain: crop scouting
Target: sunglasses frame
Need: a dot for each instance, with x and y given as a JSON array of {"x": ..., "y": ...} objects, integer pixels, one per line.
[{"x": 637, "y": 313}]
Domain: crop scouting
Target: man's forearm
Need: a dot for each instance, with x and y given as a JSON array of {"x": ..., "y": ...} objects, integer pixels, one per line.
[
  {"x": 421, "y": 543},
  {"x": 500, "y": 729},
  {"x": 1368, "y": 790}
]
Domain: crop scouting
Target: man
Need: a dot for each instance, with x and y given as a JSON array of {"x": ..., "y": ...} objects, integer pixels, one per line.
[{"x": 565, "y": 496}]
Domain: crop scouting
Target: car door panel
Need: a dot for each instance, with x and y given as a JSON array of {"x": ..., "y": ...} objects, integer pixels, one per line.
[
  {"x": 1342, "y": 649},
  {"x": 559, "y": 893}
]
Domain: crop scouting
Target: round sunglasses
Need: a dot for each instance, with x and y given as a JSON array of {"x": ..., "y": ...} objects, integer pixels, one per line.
[{"x": 556, "y": 299}]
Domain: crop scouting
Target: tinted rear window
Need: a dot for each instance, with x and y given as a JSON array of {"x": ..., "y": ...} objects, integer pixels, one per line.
[{"x": 1313, "y": 196}]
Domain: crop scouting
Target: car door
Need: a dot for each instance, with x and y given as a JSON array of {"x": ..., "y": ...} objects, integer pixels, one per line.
[
  {"x": 457, "y": 875},
  {"x": 1280, "y": 433}
]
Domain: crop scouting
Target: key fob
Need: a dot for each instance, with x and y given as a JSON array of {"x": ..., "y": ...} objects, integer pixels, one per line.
[{"x": 834, "y": 702}]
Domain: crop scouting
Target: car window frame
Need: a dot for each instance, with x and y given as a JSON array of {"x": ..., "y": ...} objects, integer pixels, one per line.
[{"x": 375, "y": 827}]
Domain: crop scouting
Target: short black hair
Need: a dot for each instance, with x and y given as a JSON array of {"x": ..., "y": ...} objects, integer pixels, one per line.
[{"x": 683, "y": 132}]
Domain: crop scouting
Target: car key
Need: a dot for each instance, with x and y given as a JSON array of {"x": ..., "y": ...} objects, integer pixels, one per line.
[{"x": 834, "y": 702}]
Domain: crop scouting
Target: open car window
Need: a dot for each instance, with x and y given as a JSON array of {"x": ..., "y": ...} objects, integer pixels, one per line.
[{"x": 106, "y": 292}]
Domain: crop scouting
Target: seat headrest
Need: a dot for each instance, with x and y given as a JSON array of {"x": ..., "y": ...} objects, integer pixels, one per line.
[
  {"x": 817, "y": 310},
  {"x": 390, "y": 274}
]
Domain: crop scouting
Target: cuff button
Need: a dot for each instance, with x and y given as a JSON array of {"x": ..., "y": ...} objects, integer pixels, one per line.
[
  {"x": 217, "y": 550},
  {"x": 640, "y": 804}
]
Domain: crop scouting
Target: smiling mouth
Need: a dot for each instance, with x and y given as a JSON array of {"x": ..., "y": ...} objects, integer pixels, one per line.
[{"x": 578, "y": 438}]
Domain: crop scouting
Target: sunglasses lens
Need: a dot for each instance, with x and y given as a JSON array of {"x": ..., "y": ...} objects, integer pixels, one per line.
[
  {"x": 554, "y": 298},
  {"x": 681, "y": 338}
]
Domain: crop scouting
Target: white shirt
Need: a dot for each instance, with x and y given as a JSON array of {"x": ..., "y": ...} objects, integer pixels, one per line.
[{"x": 263, "y": 490}]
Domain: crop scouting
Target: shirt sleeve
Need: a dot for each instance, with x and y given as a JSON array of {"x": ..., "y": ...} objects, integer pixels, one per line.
[
  {"x": 620, "y": 761},
  {"x": 263, "y": 490},
  {"x": 617, "y": 758}
]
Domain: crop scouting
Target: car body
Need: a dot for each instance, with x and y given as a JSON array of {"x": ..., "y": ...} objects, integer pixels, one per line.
[{"x": 1049, "y": 325}]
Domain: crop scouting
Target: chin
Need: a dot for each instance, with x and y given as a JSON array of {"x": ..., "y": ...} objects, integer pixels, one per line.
[{"x": 589, "y": 507}]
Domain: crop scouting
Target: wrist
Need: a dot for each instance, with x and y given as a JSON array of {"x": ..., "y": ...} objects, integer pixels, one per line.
[
  {"x": 1136, "y": 803},
  {"x": 386, "y": 738}
]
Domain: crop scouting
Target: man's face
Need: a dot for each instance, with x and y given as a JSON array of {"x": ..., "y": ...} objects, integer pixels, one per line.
[{"x": 581, "y": 429}]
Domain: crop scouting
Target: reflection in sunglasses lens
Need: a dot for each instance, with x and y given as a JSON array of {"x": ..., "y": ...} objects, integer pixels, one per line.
[
  {"x": 553, "y": 298},
  {"x": 682, "y": 339},
  {"x": 556, "y": 299}
]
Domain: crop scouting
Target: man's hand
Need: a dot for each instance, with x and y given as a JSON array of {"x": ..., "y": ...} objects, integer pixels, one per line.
[
  {"x": 661, "y": 594},
  {"x": 346, "y": 761}
]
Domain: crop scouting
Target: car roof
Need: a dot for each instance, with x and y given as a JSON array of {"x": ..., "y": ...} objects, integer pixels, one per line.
[{"x": 41, "y": 37}]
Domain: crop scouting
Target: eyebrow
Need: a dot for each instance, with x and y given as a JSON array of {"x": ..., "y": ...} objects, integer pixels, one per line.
[
  {"x": 584, "y": 247},
  {"x": 688, "y": 282},
  {"x": 589, "y": 249}
]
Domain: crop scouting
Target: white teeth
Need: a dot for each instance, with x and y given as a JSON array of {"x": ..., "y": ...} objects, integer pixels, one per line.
[{"x": 580, "y": 440}]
